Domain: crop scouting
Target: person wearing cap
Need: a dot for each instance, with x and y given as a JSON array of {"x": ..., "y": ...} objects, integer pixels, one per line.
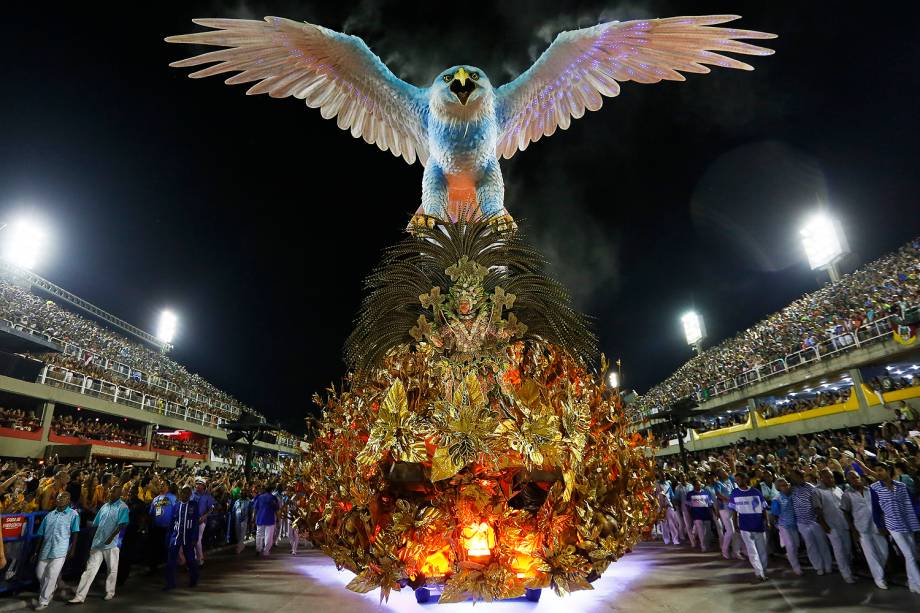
[
  {"x": 57, "y": 541},
  {"x": 205, "y": 501},
  {"x": 857, "y": 506}
]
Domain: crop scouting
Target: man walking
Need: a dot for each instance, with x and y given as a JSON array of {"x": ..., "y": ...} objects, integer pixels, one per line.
[
  {"x": 783, "y": 510},
  {"x": 702, "y": 513},
  {"x": 205, "y": 502},
  {"x": 830, "y": 496},
  {"x": 111, "y": 519},
  {"x": 810, "y": 522},
  {"x": 682, "y": 509},
  {"x": 891, "y": 504},
  {"x": 723, "y": 490},
  {"x": 57, "y": 540},
  {"x": 240, "y": 514},
  {"x": 670, "y": 529},
  {"x": 265, "y": 506},
  {"x": 161, "y": 522},
  {"x": 857, "y": 506},
  {"x": 184, "y": 538},
  {"x": 750, "y": 521}
]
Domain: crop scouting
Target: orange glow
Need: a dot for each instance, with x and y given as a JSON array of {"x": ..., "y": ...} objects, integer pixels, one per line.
[
  {"x": 478, "y": 539},
  {"x": 524, "y": 562},
  {"x": 437, "y": 564}
]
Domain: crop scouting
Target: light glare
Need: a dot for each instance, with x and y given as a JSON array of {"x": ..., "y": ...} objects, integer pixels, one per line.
[
  {"x": 693, "y": 327},
  {"x": 24, "y": 243},
  {"x": 166, "y": 330},
  {"x": 614, "y": 379},
  {"x": 823, "y": 240}
]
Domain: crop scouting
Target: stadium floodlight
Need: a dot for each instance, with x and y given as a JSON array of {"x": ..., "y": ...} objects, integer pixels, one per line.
[
  {"x": 24, "y": 243},
  {"x": 824, "y": 243},
  {"x": 166, "y": 330},
  {"x": 614, "y": 379},
  {"x": 694, "y": 329}
]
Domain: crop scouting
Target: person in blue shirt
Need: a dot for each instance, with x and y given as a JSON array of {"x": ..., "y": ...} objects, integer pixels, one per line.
[
  {"x": 731, "y": 544},
  {"x": 782, "y": 509},
  {"x": 702, "y": 512},
  {"x": 749, "y": 519},
  {"x": 205, "y": 501},
  {"x": 186, "y": 525},
  {"x": 266, "y": 508},
  {"x": 57, "y": 540},
  {"x": 161, "y": 522},
  {"x": 111, "y": 519}
]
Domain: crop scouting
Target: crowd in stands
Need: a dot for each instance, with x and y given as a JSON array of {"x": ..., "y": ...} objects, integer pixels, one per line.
[
  {"x": 705, "y": 424},
  {"x": 230, "y": 507},
  {"x": 800, "y": 404},
  {"x": 197, "y": 446},
  {"x": 886, "y": 383},
  {"x": 846, "y": 498},
  {"x": 146, "y": 370},
  {"x": 19, "y": 419},
  {"x": 91, "y": 429},
  {"x": 825, "y": 318}
]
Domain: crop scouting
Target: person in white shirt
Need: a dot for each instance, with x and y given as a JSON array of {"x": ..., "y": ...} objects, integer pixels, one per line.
[
  {"x": 668, "y": 525},
  {"x": 683, "y": 508},
  {"x": 830, "y": 496},
  {"x": 749, "y": 517},
  {"x": 857, "y": 506}
]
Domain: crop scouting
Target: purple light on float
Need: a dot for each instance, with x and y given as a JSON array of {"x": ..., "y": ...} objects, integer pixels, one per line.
[{"x": 616, "y": 579}]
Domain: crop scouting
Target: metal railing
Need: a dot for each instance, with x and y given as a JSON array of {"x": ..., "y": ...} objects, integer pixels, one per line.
[
  {"x": 77, "y": 352},
  {"x": 866, "y": 334}
]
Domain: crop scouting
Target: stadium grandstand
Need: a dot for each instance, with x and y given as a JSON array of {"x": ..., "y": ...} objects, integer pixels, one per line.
[
  {"x": 840, "y": 356},
  {"x": 92, "y": 384}
]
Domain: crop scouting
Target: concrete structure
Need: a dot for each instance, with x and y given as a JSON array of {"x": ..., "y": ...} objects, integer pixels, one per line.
[
  {"x": 864, "y": 406},
  {"x": 48, "y": 395}
]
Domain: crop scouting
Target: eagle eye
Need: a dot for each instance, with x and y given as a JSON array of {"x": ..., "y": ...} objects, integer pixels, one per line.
[
  {"x": 447, "y": 78},
  {"x": 474, "y": 76}
]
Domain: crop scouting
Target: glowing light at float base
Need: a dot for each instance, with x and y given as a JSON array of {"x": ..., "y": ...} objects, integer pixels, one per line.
[
  {"x": 437, "y": 564},
  {"x": 478, "y": 539}
]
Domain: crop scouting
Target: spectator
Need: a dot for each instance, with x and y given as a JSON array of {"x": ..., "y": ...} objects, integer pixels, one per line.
[{"x": 826, "y": 320}]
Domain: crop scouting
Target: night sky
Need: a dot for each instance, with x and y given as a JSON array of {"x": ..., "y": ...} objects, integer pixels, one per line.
[{"x": 256, "y": 220}]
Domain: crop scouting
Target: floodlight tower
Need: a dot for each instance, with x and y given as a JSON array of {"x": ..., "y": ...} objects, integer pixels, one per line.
[
  {"x": 166, "y": 329},
  {"x": 824, "y": 243},
  {"x": 694, "y": 330}
]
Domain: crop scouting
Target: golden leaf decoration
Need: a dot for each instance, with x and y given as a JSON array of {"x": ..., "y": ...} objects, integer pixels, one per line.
[{"x": 441, "y": 465}]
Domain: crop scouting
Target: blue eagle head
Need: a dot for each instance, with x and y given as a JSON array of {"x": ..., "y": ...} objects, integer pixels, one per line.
[{"x": 461, "y": 91}]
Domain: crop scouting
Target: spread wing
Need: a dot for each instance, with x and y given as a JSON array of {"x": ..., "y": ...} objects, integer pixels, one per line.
[
  {"x": 336, "y": 73},
  {"x": 583, "y": 65}
]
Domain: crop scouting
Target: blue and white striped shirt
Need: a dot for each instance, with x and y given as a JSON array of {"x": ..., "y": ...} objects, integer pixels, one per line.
[
  {"x": 899, "y": 514},
  {"x": 804, "y": 501}
]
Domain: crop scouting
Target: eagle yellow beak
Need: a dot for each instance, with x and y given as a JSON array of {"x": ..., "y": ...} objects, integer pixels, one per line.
[{"x": 462, "y": 75}]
